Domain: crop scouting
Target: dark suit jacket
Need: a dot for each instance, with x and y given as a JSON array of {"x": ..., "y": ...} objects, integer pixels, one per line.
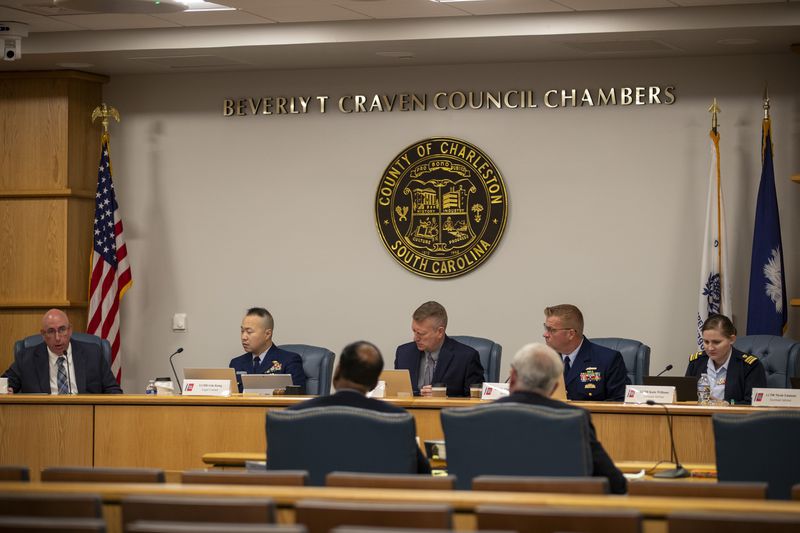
[
  {"x": 745, "y": 371},
  {"x": 458, "y": 367},
  {"x": 597, "y": 374},
  {"x": 602, "y": 464},
  {"x": 30, "y": 371},
  {"x": 277, "y": 361},
  {"x": 351, "y": 398}
]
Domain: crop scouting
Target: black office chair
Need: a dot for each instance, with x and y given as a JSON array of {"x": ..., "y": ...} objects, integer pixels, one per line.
[
  {"x": 507, "y": 439},
  {"x": 490, "y": 353},
  {"x": 742, "y": 454},
  {"x": 317, "y": 365},
  {"x": 325, "y": 439}
]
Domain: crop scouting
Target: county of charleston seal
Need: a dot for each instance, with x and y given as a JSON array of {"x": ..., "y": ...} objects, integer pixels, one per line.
[{"x": 441, "y": 207}]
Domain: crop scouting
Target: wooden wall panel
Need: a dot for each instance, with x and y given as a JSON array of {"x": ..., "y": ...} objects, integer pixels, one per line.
[
  {"x": 80, "y": 220},
  {"x": 33, "y": 126},
  {"x": 33, "y": 237},
  {"x": 84, "y": 137}
]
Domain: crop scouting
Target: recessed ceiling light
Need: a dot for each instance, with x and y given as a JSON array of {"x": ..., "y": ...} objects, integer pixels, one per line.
[
  {"x": 734, "y": 41},
  {"x": 194, "y": 6}
]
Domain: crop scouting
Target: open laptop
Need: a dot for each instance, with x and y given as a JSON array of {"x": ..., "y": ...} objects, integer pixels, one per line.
[
  {"x": 685, "y": 386},
  {"x": 398, "y": 383},
  {"x": 264, "y": 383},
  {"x": 212, "y": 373}
]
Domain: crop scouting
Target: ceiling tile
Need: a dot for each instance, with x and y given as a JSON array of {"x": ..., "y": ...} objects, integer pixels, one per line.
[
  {"x": 505, "y": 7},
  {"x": 604, "y": 5},
  {"x": 380, "y": 9},
  {"x": 208, "y": 18},
  {"x": 115, "y": 21}
]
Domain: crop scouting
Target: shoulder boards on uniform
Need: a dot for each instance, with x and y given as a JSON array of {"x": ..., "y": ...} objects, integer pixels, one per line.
[
  {"x": 749, "y": 359},
  {"x": 695, "y": 356}
]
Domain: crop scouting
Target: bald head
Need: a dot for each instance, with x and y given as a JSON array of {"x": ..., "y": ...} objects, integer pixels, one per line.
[
  {"x": 56, "y": 330},
  {"x": 360, "y": 365},
  {"x": 536, "y": 368}
]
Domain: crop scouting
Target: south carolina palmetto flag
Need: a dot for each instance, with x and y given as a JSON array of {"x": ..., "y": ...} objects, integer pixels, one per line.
[
  {"x": 715, "y": 293},
  {"x": 110, "y": 274}
]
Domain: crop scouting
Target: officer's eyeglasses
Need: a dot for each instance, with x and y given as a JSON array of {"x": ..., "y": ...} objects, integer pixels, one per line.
[{"x": 550, "y": 330}]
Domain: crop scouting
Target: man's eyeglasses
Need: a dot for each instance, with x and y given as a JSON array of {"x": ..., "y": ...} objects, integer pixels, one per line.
[
  {"x": 52, "y": 332},
  {"x": 550, "y": 330}
]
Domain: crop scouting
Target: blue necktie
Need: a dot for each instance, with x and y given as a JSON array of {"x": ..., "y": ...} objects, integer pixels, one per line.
[
  {"x": 63, "y": 383},
  {"x": 255, "y": 365}
]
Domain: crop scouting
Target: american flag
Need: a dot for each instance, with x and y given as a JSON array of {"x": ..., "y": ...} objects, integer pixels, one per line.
[{"x": 111, "y": 273}]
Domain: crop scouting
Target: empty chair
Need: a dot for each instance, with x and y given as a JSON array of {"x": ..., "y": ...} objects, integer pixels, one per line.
[
  {"x": 150, "y": 526},
  {"x": 779, "y": 355},
  {"x": 689, "y": 489},
  {"x": 326, "y": 439},
  {"x": 27, "y": 524},
  {"x": 390, "y": 481},
  {"x": 198, "y": 509},
  {"x": 51, "y": 505},
  {"x": 15, "y": 473},
  {"x": 88, "y": 474},
  {"x": 317, "y": 365},
  {"x": 571, "y": 485},
  {"x": 706, "y": 522},
  {"x": 553, "y": 519},
  {"x": 293, "y": 478},
  {"x": 635, "y": 354},
  {"x": 35, "y": 340},
  {"x": 525, "y": 440},
  {"x": 322, "y": 516},
  {"x": 489, "y": 352},
  {"x": 777, "y": 464}
]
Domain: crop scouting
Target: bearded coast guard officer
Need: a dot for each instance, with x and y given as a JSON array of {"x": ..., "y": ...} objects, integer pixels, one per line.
[
  {"x": 732, "y": 373},
  {"x": 591, "y": 372}
]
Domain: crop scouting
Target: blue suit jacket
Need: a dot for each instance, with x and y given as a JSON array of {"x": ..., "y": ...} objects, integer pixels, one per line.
[
  {"x": 458, "y": 367},
  {"x": 351, "y": 398},
  {"x": 602, "y": 465},
  {"x": 597, "y": 374},
  {"x": 277, "y": 361},
  {"x": 30, "y": 371}
]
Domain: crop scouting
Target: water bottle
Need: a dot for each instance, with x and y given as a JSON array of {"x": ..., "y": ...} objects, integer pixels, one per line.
[
  {"x": 151, "y": 387},
  {"x": 703, "y": 390}
]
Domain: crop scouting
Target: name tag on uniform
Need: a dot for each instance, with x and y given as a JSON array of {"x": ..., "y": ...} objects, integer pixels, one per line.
[
  {"x": 763, "y": 397},
  {"x": 638, "y": 394},
  {"x": 207, "y": 387}
]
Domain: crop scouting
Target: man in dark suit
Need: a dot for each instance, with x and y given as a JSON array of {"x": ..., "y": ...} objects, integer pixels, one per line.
[
  {"x": 591, "y": 372},
  {"x": 264, "y": 357},
  {"x": 357, "y": 373},
  {"x": 61, "y": 365},
  {"x": 535, "y": 372},
  {"x": 434, "y": 358}
]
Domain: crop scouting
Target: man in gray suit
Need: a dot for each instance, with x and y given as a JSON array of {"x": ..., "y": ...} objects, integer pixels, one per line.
[{"x": 61, "y": 365}]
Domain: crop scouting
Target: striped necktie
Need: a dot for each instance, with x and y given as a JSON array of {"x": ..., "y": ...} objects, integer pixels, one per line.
[{"x": 63, "y": 382}]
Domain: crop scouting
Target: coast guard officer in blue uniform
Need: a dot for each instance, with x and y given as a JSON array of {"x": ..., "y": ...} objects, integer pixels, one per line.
[
  {"x": 264, "y": 357},
  {"x": 591, "y": 372}
]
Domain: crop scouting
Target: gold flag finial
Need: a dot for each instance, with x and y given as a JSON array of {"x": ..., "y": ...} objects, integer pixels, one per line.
[
  {"x": 714, "y": 110},
  {"x": 104, "y": 111},
  {"x": 766, "y": 102}
]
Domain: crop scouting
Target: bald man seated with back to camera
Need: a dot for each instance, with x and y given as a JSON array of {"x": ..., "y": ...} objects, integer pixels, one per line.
[
  {"x": 535, "y": 372},
  {"x": 360, "y": 365}
]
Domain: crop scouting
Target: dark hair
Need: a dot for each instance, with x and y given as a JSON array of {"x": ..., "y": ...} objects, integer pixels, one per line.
[
  {"x": 431, "y": 310},
  {"x": 721, "y": 323},
  {"x": 361, "y": 367},
  {"x": 263, "y": 313}
]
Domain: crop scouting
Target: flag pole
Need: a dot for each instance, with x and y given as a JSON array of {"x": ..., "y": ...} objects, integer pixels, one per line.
[
  {"x": 714, "y": 110},
  {"x": 105, "y": 111}
]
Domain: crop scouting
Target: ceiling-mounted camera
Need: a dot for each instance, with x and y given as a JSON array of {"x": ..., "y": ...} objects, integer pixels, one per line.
[{"x": 11, "y": 34}]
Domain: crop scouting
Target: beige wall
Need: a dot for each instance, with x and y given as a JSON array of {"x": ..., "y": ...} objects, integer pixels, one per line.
[{"x": 607, "y": 205}]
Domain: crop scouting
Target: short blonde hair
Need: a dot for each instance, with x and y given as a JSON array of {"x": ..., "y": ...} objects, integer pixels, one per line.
[{"x": 571, "y": 317}]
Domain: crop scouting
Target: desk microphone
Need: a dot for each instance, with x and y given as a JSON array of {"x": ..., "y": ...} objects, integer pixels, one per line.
[
  {"x": 176, "y": 352},
  {"x": 69, "y": 380},
  {"x": 667, "y": 369},
  {"x": 679, "y": 470}
]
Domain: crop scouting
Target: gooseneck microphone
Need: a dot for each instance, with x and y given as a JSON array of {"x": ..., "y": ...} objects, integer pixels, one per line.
[
  {"x": 679, "y": 470},
  {"x": 176, "y": 352},
  {"x": 667, "y": 369}
]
